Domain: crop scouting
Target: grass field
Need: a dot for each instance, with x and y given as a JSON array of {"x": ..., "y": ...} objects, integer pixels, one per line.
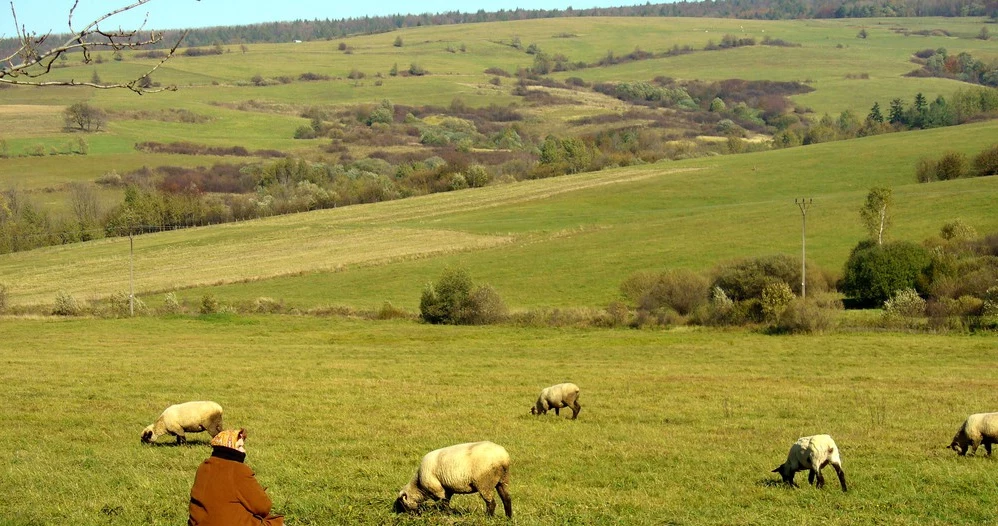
[{"x": 677, "y": 427}]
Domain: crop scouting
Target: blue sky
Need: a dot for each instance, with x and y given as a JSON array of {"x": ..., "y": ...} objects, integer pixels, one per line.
[{"x": 42, "y": 16}]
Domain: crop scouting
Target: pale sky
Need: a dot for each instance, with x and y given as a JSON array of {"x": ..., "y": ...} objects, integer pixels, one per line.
[{"x": 42, "y": 16}]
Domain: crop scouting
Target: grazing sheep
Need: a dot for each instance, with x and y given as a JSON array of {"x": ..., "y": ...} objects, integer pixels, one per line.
[
  {"x": 979, "y": 428},
  {"x": 812, "y": 453},
  {"x": 464, "y": 468},
  {"x": 189, "y": 417},
  {"x": 556, "y": 397}
]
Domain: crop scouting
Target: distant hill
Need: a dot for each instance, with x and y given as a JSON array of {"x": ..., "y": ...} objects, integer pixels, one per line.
[{"x": 306, "y": 30}]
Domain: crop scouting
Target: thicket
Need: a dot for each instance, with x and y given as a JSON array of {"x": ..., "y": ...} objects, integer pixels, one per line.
[
  {"x": 455, "y": 300},
  {"x": 954, "y": 165},
  {"x": 757, "y": 291},
  {"x": 962, "y": 67}
]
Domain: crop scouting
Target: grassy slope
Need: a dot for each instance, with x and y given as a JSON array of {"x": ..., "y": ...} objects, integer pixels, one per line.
[
  {"x": 676, "y": 427},
  {"x": 566, "y": 241},
  {"x": 210, "y": 81}
]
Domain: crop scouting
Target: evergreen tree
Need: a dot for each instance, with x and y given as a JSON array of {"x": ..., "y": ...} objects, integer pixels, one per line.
[
  {"x": 897, "y": 116},
  {"x": 875, "y": 114}
]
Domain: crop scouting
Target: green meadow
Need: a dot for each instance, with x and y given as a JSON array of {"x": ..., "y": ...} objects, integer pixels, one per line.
[{"x": 677, "y": 427}]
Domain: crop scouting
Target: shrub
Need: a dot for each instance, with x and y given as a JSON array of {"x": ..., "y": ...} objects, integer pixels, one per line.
[
  {"x": 721, "y": 310},
  {"x": 66, "y": 305},
  {"x": 807, "y": 317},
  {"x": 305, "y": 132},
  {"x": 905, "y": 303},
  {"x": 391, "y": 312},
  {"x": 745, "y": 279},
  {"x": 875, "y": 272},
  {"x": 961, "y": 313},
  {"x": 986, "y": 162},
  {"x": 4, "y": 298},
  {"x": 925, "y": 170},
  {"x": 486, "y": 306},
  {"x": 776, "y": 296},
  {"x": 265, "y": 305},
  {"x": 170, "y": 304},
  {"x": 952, "y": 165},
  {"x": 990, "y": 305},
  {"x": 680, "y": 290},
  {"x": 452, "y": 300},
  {"x": 957, "y": 230},
  {"x": 120, "y": 307},
  {"x": 209, "y": 304}
]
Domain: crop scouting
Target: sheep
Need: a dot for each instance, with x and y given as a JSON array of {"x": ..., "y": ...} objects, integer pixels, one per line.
[
  {"x": 556, "y": 397},
  {"x": 812, "y": 453},
  {"x": 979, "y": 428},
  {"x": 462, "y": 468},
  {"x": 189, "y": 417}
]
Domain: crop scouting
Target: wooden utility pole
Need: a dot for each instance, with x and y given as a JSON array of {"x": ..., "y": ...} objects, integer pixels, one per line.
[
  {"x": 803, "y": 204},
  {"x": 131, "y": 275}
]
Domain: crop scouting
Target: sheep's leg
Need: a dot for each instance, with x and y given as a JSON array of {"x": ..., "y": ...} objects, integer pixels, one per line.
[
  {"x": 842, "y": 476},
  {"x": 821, "y": 480},
  {"x": 556, "y": 411},
  {"x": 445, "y": 502},
  {"x": 987, "y": 447},
  {"x": 507, "y": 502},
  {"x": 810, "y": 477},
  {"x": 973, "y": 446},
  {"x": 490, "y": 501},
  {"x": 575, "y": 409}
]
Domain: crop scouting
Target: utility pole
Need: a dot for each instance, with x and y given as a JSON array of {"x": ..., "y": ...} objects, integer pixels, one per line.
[
  {"x": 131, "y": 275},
  {"x": 803, "y": 204}
]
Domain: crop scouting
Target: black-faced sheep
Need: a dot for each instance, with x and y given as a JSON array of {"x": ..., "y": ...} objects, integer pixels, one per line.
[
  {"x": 464, "y": 468},
  {"x": 812, "y": 453},
  {"x": 979, "y": 428},
  {"x": 556, "y": 397},
  {"x": 189, "y": 417}
]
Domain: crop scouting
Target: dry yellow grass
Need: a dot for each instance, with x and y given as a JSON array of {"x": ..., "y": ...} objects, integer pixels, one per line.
[{"x": 30, "y": 120}]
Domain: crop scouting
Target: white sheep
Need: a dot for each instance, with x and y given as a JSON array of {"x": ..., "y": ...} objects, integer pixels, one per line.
[
  {"x": 189, "y": 417},
  {"x": 464, "y": 468},
  {"x": 556, "y": 397},
  {"x": 812, "y": 453},
  {"x": 979, "y": 428}
]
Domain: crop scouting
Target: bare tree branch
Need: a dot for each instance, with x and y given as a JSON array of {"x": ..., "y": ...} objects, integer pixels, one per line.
[{"x": 28, "y": 63}]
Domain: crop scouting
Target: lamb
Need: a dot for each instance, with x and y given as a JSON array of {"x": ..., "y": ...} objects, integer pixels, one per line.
[
  {"x": 556, "y": 397},
  {"x": 979, "y": 428},
  {"x": 462, "y": 468},
  {"x": 812, "y": 453},
  {"x": 189, "y": 417}
]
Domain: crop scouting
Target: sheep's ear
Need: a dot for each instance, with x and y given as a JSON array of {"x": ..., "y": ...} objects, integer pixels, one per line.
[{"x": 777, "y": 470}]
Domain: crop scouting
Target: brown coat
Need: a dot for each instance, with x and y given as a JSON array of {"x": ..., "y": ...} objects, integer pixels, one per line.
[{"x": 226, "y": 493}]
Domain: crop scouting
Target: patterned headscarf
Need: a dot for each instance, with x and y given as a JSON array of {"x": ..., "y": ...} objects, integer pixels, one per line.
[{"x": 229, "y": 438}]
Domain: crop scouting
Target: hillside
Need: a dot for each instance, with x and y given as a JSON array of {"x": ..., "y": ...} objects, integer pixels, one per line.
[
  {"x": 566, "y": 241},
  {"x": 691, "y": 208}
]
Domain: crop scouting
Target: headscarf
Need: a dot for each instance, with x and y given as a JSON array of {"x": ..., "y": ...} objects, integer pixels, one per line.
[{"x": 230, "y": 438}]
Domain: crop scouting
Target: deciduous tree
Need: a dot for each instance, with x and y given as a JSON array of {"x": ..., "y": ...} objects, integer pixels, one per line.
[
  {"x": 34, "y": 58},
  {"x": 876, "y": 212}
]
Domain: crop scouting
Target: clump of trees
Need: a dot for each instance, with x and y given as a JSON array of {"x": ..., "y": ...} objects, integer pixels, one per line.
[
  {"x": 962, "y": 66},
  {"x": 84, "y": 117},
  {"x": 455, "y": 300},
  {"x": 954, "y": 165}
]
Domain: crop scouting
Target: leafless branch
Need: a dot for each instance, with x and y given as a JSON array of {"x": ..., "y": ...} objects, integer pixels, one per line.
[{"x": 28, "y": 63}]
